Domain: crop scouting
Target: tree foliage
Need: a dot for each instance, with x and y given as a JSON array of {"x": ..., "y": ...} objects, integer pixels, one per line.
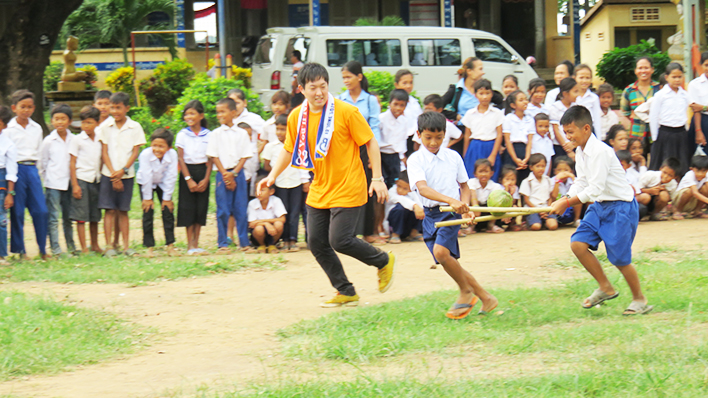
[{"x": 617, "y": 66}]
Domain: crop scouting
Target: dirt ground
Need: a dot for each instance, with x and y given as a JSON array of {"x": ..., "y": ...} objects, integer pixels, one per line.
[{"x": 220, "y": 330}]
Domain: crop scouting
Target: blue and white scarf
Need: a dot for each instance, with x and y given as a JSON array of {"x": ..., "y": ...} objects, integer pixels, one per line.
[{"x": 302, "y": 159}]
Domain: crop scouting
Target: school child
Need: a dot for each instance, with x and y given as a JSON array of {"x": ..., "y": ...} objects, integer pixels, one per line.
[
  {"x": 642, "y": 111},
  {"x": 53, "y": 167},
  {"x": 510, "y": 83},
  {"x": 636, "y": 149},
  {"x": 617, "y": 137},
  {"x": 692, "y": 192},
  {"x": 288, "y": 185},
  {"x": 279, "y": 105},
  {"x": 625, "y": 159},
  {"x": 518, "y": 130},
  {"x": 157, "y": 174},
  {"x": 563, "y": 179},
  {"x": 542, "y": 142},
  {"x": 563, "y": 70},
  {"x": 439, "y": 176},
  {"x": 483, "y": 130},
  {"x": 656, "y": 188},
  {"x": 667, "y": 120},
  {"x": 588, "y": 99},
  {"x": 394, "y": 133},
  {"x": 480, "y": 188},
  {"x": 255, "y": 124},
  {"x": 229, "y": 147},
  {"x": 612, "y": 217},
  {"x": 608, "y": 117},
  {"x": 453, "y": 135},
  {"x": 266, "y": 220},
  {"x": 536, "y": 192},
  {"x": 121, "y": 139},
  {"x": 195, "y": 175},
  {"x": 406, "y": 213},
  {"x": 252, "y": 164},
  {"x": 102, "y": 102},
  {"x": 85, "y": 170},
  {"x": 26, "y": 134},
  {"x": 403, "y": 80},
  {"x": 568, "y": 92},
  {"x": 8, "y": 177},
  {"x": 537, "y": 93},
  {"x": 508, "y": 181}
]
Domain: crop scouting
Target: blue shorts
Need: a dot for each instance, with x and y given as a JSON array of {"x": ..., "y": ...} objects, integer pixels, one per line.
[
  {"x": 445, "y": 236},
  {"x": 614, "y": 223},
  {"x": 532, "y": 219}
]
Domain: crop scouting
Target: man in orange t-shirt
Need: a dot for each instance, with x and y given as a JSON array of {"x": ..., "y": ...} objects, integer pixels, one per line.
[{"x": 338, "y": 192}]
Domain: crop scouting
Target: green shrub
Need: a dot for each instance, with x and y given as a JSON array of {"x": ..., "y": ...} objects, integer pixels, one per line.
[
  {"x": 143, "y": 115},
  {"x": 91, "y": 75},
  {"x": 617, "y": 65},
  {"x": 52, "y": 75},
  {"x": 121, "y": 79},
  {"x": 381, "y": 85},
  {"x": 157, "y": 95},
  {"x": 166, "y": 85}
]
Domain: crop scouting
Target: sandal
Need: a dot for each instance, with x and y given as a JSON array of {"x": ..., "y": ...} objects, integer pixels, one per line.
[
  {"x": 271, "y": 249},
  {"x": 637, "y": 308},
  {"x": 395, "y": 240},
  {"x": 223, "y": 250},
  {"x": 251, "y": 250},
  {"x": 495, "y": 230},
  {"x": 483, "y": 312},
  {"x": 659, "y": 217},
  {"x": 293, "y": 248},
  {"x": 130, "y": 253},
  {"x": 699, "y": 214},
  {"x": 458, "y": 306},
  {"x": 678, "y": 216},
  {"x": 599, "y": 297}
]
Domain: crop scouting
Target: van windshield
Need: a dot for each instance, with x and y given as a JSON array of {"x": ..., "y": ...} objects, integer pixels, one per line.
[
  {"x": 301, "y": 44},
  {"x": 376, "y": 52},
  {"x": 265, "y": 50}
]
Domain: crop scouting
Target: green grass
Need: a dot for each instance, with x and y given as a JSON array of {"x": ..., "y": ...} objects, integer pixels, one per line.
[{"x": 38, "y": 335}]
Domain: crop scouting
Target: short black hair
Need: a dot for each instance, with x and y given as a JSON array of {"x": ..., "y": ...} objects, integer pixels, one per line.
[
  {"x": 120, "y": 98},
  {"x": 482, "y": 84},
  {"x": 535, "y": 83},
  {"x": 563, "y": 159},
  {"x": 231, "y": 104},
  {"x": 536, "y": 158},
  {"x": 21, "y": 95},
  {"x": 672, "y": 163},
  {"x": 281, "y": 96},
  {"x": 281, "y": 120},
  {"x": 577, "y": 114},
  {"x": 569, "y": 65},
  {"x": 431, "y": 121},
  {"x": 102, "y": 94},
  {"x": 507, "y": 169},
  {"x": 89, "y": 112},
  {"x": 605, "y": 88},
  {"x": 672, "y": 67},
  {"x": 238, "y": 93},
  {"x": 62, "y": 108},
  {"x": 612, "y": 133},
  {"x": 164, "y": 134},
  {"x": 311, "y": 72},
  {"x": 482, "y": 162},
  {"x": 297, "y": 54},
  {"x": 403, "y": 176},
  {"x": 699, "y": 162},
  {"x": 244, "y": 125},
  {"x": 399, "y": 95},
  {"x": 400, "y": 73},
  {"x": 624, "y": 156},
  {"x": 434, "y": 99},
  {"x": 261, "y": 178},
  {"x": 5, "y": 115},
  {"x": 541, "y": 116}
]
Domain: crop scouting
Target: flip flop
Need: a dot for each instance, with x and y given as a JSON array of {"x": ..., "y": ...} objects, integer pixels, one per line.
[
  {"x": 395, "y": 240},
  {"x": 599, "y": 297},
  {"x": 637, "y": 308},
  {"x": 483, "y": 312},
  {"x": 458, "y": 306}
]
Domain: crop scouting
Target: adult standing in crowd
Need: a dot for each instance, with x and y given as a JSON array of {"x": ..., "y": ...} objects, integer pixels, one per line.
[
  {"x": 460, "y": 97},
  {"x": 698, "y": 97},
  {"x": 296, "y": 97},
  {"x": 563, "y": 70},
  {"x": 637, "y": 93}
]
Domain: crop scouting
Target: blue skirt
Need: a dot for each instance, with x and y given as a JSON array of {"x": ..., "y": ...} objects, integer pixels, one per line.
[{"x": 478, "y": 150}]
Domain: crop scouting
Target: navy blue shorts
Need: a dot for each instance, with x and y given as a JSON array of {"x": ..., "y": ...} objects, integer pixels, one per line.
[
  {"x": 109, "y": 199},
  {"x": 614, "y": 223},
  {"x": 445, "y": 236}
]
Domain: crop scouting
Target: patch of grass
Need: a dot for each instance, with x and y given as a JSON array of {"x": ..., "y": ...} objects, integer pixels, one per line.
[{"x": 39, "y": 335}]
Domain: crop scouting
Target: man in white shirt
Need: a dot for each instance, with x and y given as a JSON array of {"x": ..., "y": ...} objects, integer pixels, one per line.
[{"x": 613, "y": 216}]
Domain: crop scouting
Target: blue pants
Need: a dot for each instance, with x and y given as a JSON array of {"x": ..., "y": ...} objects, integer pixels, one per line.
[
  {"x": 232, "y": 203},
  {"x": 3, "y": 214},
  {"x": 402, "y": 221},
  {"x": 28, "y": 196},
  {"x": 59, "y": 202}
]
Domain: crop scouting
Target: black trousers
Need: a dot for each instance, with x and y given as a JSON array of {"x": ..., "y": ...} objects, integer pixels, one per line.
[
  {"x": 168, "y": 222},
  {"x": 292, "y": 200},
  {"x": 365, "y": 225},
  {"x": 334, "y": 229}
]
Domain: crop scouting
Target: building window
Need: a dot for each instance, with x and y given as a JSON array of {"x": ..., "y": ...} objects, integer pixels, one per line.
[
  {"x": 588, "y": 36},
  {"x": 600, "y": 36},
  {"x": 492, "y": 51},
  {"x": 644, "y": 14},
  {"x": 443, "y": 52},
  {"x": 377, "y": 52}
]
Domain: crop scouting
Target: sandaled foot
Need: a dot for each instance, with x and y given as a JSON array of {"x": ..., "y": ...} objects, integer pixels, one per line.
[
  {"x": 417, "y": 238},
  {"x": 4, "y": 263},
  {"x": 110, "y": 253},
  {"x": 659, "y": 217},
  {"x": 678, "y": 216},
  {"x": 395, "y": 240},
  {"x": 495, "y": 230},
  {"x": 461, "y": 233},
  {"x": 130, "y": 253},
  {"x": 638, "y": 308},
  {"x": 598, "y": 297},
  {"x": 223, "y": 250},
  {"x": 699, "y": 214},
  {"x": 273, "y": 250},
  {"x": 454, "y": 312},
  {"x": 489, "y": 306}
]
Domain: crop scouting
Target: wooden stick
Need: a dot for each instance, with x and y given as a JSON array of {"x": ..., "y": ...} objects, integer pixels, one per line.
[
  {"x": 481, "y": 209},
  {"x": 477, "y": 220}
]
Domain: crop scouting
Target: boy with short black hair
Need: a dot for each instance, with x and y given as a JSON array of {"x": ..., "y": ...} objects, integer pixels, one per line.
[
  {"x": 54, "y": 170},
  {"x": 121, "y": 139},
  {"x": 483, "y": 130},
  {"x": 102, "y": 102},
  {"x": 8, "y": 177},
  {"x": 608, "y": 117},
  {"x": 85, "y": 169},
  {"x": 453, "y": 135},
  {"x": 542, "y": 141},
  {"x": 26, "y": 134},
  {"x": 656, "y": 187},
  {"x": 393, "y": 136},
  {"x": 612, "y": 217},
  {"x": 406, "y": 211},
  {"x": 266, "y": 220},
  {"x": 692, "y": 192}
]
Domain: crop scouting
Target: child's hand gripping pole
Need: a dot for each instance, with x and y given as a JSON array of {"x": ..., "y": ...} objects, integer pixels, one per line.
[{"x": 476, "y": 220}]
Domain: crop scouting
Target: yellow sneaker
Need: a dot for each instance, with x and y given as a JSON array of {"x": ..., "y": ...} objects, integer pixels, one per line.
[
  {"x": 386, "y": 273},
  {"x": 341, "y": 300}
]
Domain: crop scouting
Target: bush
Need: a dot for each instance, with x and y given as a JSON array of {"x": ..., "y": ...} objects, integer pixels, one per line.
[
  {"x": 617, "y": 65},
  {"x": 91, "y": 76},
  {"x": 166, "y": 85},
  {"x": 157, "y": 95},
  {"x": 121, "y": 79},
  {"x": 52, "y": 75},
  {"x": 243, "y": 74},
  {"x": 143, "y": 115},
  {"x": 381, "y": 85}
]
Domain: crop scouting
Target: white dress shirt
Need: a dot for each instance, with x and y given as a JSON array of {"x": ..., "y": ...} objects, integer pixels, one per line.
[
  {"x": 194, "y": 146},
  {"x": 607, "y": 120},
  {"x": 252, "y": 119},
  {"x": 689, "y": 180},
  {"x": 8, "y": 157},
  {"x": 652, "y": 178},
  {"x": 538, "y": 192},
  {"x": 88, "y": 157},
  {"x": 518, "y": 129},
  {"x": 669, "y": 109},
  {"x": 269, "y": 131},
  {"x": 601, "y": 177},
  {"x": 120, "y": 143},
  {"x": 544, "y": 146},
  {"x": 443, "y": 172},
  {"x": 451, "y": 133},
  {"x": 290, "y": 177},
  {"x": 27, "y": 140},
  {"x": 483, "y": 125},
  {"x": 564, "y": 187},
  {"x": 412, "y": 111},
  {"x": 274, "y": 209},
  {"x": 591, "y": 101},
  {"x": 698, "y": 91},
  {"x": 482, "y": 192},
  {"x": 154, "y": 172},
  {"x": 557, "y": 110},
  {"x": 230, "y": 145},
  {"x": 394, "y": 133},
  {"x": 54, "y": 159},
  {"x": 552, "y": 96},
  {"x": 633, "y": 179},
  {"x": 407, "y": 201},
  {"x": 533, "y": 110}
]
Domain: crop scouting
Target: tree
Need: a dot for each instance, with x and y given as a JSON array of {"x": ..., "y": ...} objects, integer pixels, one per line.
[{"x": 28, "y": 31}]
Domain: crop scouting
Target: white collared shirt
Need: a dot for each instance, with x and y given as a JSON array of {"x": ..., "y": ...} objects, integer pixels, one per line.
[
  {"x": 120, "y": 143},
  {"x": 230, "y": 145},
  {"x": 394, "y": 133},
  {"x": 557, "y": 109},
  {"x": 407, "y": 201},
  {"x": 54, "y": 159},
  {"x": 564, "y": 187},
  {"x": 601, "y": 177},
  {"x": 544, "y": 146},
  {"x": 252, "y": 119},
  {"x": 88, "y": 157},
  {"x": 481, "y": 192},
  {"x": 652, "y": 178},
  {"x": 269, "y": 131},
  {"x": 518, "y": 129},
  {"x": 533, "y": 110},
  {"x": 290, "y": 177},
  {"x": 194, "y": 146},
  {"x": 689, "y": 180},
  {"x": 591, "y": 101},
  {"x": 669, "y": 109},
  {"x": 483, "y": 125},
  {"x": 154, "y": 173},
  {"x": 412, "y": 111},
  {"x": 552, "y": 96},
  {"x": 443, "y": 172},
  {"x": 633, "y": 179},
  {"x": 274, "y": 209},
  {"x": 451, "y": 133},
  {"x": 8, "y": 157},
  {"x": 538, "y": 192},
  {"x": 27, "y": 140},
  {"x": 607, "y": 120},
  {"x": 698, "y": 91}
]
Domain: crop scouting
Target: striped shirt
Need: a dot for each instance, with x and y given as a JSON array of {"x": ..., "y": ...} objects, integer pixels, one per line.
[{"x": 631, "y": 99}]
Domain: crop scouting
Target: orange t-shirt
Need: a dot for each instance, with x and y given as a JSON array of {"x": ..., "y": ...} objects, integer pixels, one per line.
[{"x": 339, "y": 177}]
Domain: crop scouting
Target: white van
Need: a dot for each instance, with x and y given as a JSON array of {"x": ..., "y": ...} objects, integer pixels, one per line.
[{"x": 433, "y": 54}]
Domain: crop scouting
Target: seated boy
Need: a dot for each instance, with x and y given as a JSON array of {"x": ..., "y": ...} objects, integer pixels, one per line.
[
  {"x": 656, "y": 187},
  {"x": 692, "y": 192},
  {"x": 480, "y": 188},
  {"x": 406, "y": 211},
  {"x": 266, "y": 220},
  {"x": 536, "y": 191},
  {"x": 8, "y": 177}
]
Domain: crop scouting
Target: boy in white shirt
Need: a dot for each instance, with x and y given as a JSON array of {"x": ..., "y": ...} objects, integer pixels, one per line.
[
  {"x": 85, "y": 169},
  {"x": 266, "y": 219},
  {"x": 563, "y": 179},
  {"x": 158, "y": 174},
  {"x": 394, "y": 135},
  {"x": 480, "y": 188},
  {"x": 608, "y": 117},
  {"x": 613, "y": 216},
  {"x": 542, "y": 141},
  {"x": 692, "y": 192},
  {"x": 453, "y": 135},
  {"x": 54, "y": 170},
  {"x": 536, "y": 191},
  {"x": 656, "y": 187},
  {"x": 406, "y": 213},
  {"x": 8, "y": 177}
]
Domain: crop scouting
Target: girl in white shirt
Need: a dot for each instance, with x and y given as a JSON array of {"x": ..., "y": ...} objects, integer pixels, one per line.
[
  {"x": 568, "y": 92},
  {"x": 617, "y": 138},
  {"x": 588, "y": 99},
  {"x": 537, "y": 93},
  {"x": 279, "y": 104},
  {"x": 518, "y": 130},
  {"x": 639, "y": 163}
]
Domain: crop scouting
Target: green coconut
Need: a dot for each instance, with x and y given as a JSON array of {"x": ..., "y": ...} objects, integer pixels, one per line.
[{"x": 500, "y": 198}]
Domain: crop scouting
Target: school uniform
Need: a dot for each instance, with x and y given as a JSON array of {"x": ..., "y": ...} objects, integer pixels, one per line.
[
  {"x": 591, "y": 101},
  {"x": 563, "y": 187},
  {"x": 393, "y": 145},
  {"x": 482, "y": 192},
  {"x": 551, "y": 96},
  {"x": 8, "y": 172},
  {"x": 401, "y": 216},
  {"x": 544, "y": 146},
  {"x": 87, "y": 151},
  {"x": 28, "y": 188},
  {"x": 193, "y": 206},
  {"x": 533, "y": 110},
  {"x": 614, "y": 215},
  {"x": 54, "y": 169},
  {"x": 519, "y": 131},
  {"x": 607, "y": 120},
  {"x": 689, "y": 180},
  {"x": 557, "y": 109},
  {"x": 443, "y": 172},
  {"x": 230, "y": 145},
  {"x": 483, "y": 126},
  {"x": 538, "y": 194},
  {"x": 157, "y": 176},
  {"x": 452, "y": 132},
  {"x": 667, "y": 120},
  {"x": 274, "y": 209},
  {"x": 698, "y": 94},
  {"x": 269, "y": 131},
  {"x": 252, "y": 165}
]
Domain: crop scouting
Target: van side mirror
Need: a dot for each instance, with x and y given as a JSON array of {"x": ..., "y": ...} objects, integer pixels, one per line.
[{"x": 514, "y": 59}]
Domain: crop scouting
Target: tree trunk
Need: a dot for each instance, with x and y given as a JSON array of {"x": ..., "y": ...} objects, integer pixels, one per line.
[{"x": 27, "y": 37}]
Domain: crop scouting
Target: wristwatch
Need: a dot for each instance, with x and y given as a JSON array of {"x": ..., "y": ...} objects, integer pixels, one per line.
[
  {"x": 187, "y": 178},
  {"x": 125, "y": 170},
  {"x": 380, "y": 179}
]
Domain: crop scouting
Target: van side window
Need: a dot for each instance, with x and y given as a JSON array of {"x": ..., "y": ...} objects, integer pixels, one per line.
[
  {"x": 377, "y": 52},
  {"x": 439, "y": 52},
  {"x": 301, "y": 44},
  {"x": 265, "y": 50},
  {"x": 492, "y": 51}
]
